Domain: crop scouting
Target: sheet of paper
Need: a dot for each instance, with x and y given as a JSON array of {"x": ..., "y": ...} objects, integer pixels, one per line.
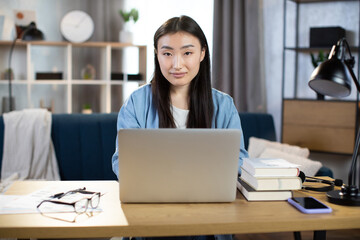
[{"x": 10, "y": 204}]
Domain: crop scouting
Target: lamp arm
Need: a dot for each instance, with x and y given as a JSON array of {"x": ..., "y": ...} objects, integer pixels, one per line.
[
  {"x": 353, "y": 76},
  {"x": 350, "y": 64},
  {"x": 352, "y": 172},
  {"x": 9, "y": 74},
  {"x": 352, "y": 176}
]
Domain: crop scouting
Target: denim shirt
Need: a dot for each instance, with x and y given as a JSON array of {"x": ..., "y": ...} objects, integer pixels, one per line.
[{"x": 139, "y": 111}]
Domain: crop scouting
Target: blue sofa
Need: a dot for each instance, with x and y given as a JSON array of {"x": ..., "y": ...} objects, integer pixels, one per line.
[{"x": 84, "y": 144}]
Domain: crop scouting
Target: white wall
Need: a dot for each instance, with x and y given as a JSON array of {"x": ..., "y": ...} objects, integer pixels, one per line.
[{"x": 273, "y": 46}]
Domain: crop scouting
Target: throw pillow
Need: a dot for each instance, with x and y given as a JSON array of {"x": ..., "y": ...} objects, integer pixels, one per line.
[
  {"x": 258, "y": 145},
  {"x": 308, "y": 166}
]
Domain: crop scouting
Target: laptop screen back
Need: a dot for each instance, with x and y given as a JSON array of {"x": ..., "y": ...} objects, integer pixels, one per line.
[{"x": 178, "y": 165}]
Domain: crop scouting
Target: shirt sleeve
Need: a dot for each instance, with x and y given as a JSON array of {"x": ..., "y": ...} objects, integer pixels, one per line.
[
  {"x": 235, "y": 123},
  {"x": 126, "y": 119}
]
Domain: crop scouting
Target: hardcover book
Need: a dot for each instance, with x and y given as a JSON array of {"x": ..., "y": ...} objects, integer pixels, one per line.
[
  {"x": 270, "y": 167},
  {"x": 252, "y": 195},
  {"x": 271, "y": 182}
]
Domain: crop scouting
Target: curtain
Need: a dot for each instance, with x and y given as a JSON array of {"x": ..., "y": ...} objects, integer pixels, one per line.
[{"x": 238, "y": 61}]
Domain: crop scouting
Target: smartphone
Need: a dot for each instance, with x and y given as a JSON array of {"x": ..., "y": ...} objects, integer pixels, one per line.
[{"x": 309, "y": 205}]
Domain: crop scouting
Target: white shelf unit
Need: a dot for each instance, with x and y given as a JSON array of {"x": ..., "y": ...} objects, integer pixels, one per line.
[{"x": 27, "y": 50}]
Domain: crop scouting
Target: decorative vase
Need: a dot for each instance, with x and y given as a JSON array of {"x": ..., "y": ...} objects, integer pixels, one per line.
[
  {"x": 125, "y": 36},
  {"x": 88, "y": 72},
  {"x": 86, "y": 111}
]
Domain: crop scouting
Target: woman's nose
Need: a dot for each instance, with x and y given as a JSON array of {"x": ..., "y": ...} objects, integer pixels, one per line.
[{"x": 177, "y": 64}]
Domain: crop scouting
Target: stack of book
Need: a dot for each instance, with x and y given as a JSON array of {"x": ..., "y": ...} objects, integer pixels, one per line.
[{"x": 268, "y": 179}]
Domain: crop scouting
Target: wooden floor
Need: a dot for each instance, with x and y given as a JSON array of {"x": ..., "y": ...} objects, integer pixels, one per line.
[{"x": 330, "y": 235}]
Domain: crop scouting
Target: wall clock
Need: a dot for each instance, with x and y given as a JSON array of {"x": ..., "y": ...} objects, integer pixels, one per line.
[{"x": 77, "y": 26}]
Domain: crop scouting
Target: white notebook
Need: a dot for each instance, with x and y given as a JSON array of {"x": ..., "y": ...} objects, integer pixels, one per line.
[{"x": 178, "y": 165}]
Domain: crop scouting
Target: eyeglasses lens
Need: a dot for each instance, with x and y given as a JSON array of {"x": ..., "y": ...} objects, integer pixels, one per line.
[
  {"x": 81, "y": 206},
  {"x": 95, "y": 200}
]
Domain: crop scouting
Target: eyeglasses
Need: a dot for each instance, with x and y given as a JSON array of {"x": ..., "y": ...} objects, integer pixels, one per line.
[{"x": 81, "y": 205}]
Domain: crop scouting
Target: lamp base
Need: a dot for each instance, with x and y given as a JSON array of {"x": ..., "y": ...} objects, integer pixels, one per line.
[{"x": 338, "y": 197}]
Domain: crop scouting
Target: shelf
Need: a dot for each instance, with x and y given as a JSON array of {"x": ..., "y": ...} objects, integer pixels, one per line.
[
  {"x": 88, "y": 82},
  {"x": 320, "y": 1},
  {"x": 6, "y": 82},
  {"x": 64, "y": 44},
  {"x": 47, "y": 82},
  {"x": 74, "y": 82},
  {"x": 70, "y": 59},
  {"x": 309, "y": 49},
  {"x": 313, "y": 99},
  {"x": 122, "y": 82}
]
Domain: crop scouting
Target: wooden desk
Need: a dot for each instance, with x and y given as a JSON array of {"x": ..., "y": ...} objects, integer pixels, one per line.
[{"x": 171, "y": 219}]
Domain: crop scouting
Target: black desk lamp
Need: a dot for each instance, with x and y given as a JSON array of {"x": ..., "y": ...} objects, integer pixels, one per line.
[
  {"x": 31, "y": 33},
  {"x": 333, "y": 78}
]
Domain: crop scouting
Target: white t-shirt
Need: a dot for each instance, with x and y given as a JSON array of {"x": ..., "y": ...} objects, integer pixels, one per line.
[{"x": 180, "y": 116}]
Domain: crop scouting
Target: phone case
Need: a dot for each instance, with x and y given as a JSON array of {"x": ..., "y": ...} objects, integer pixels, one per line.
[{"x": 310, "y": 211}]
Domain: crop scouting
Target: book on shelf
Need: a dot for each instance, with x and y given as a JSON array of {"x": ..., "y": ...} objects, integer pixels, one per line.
[
  {"x": 252, "y": 195},
  {"x": 270, "y": 167},
  {"x": 271, "y": 182}
]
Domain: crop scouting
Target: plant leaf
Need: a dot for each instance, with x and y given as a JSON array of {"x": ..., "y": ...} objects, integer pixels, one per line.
[
  {"x": 313, "y": 60},
  {"x": 135, "y": 14},
  {"x": 125, "y": 15}
]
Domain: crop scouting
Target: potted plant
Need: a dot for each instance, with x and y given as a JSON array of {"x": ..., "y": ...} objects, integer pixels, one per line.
[
  {"x": 126, "y": 34},
  {"x": 6, "y": 73},
  {"x": 319, "y": 59},
  {"x": 86, "y": 109}
]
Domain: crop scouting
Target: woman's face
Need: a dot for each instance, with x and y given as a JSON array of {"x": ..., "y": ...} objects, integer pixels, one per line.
[{"x": 179, "y": 55}]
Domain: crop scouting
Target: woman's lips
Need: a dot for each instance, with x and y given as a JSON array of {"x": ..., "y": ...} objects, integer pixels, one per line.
[{"x": 178, "y": 75}]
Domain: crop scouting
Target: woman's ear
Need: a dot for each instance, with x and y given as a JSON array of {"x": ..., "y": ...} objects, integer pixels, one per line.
[{"x": 202, "y": 55}]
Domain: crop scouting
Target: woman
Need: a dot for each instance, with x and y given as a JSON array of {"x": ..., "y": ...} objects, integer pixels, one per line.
[{"x": 180, "y": 93}]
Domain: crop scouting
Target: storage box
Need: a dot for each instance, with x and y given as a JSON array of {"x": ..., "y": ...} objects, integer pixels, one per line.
[
  {"x": 121, "y": 76},
  {"x": 49, "y": 76},
  {"x": 325, "y": 36}
]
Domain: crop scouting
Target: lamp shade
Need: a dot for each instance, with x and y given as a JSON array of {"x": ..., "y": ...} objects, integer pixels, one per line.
[
  {"x": 331, "y": 78},
  {"x": 32, "y": 33}
]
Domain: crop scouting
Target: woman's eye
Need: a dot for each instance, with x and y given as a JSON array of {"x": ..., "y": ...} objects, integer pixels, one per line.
[
  {"x": 167, "y": 54},
  {"x": 188, "y": 53}
]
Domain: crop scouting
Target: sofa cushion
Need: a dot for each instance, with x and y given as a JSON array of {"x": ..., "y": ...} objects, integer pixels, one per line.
[
  {"x": 84, "y": 145},
  {"x": 260, "y": 125}
]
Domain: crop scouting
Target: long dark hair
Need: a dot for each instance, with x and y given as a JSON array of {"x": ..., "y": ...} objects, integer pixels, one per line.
[{"x": 201, "y": 106}]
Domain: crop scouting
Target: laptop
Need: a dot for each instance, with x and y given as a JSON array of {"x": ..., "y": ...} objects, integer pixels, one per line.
[{"x": 178, "y": 165}]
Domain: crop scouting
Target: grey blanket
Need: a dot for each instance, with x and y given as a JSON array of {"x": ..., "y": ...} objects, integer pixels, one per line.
[{"x": 28, "y": 149}]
